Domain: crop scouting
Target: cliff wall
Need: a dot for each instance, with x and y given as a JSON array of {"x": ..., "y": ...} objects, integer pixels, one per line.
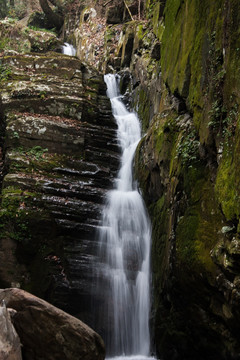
[
  {"x": 187, "y": 165},
  {"x": 180, "y": 65},
  {"x": 179, "y": 62},
  {"x": 59, "y": 156}
]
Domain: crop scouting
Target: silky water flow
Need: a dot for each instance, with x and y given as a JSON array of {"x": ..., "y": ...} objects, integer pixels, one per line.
[
  {"x": 68, "y": 49},
  {"x": 125, "y": 240}
]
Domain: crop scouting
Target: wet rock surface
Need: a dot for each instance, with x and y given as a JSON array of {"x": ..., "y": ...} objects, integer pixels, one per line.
[
  {"x": 47, "y": 332},
  {"x": 60, "y": 157},
  {"x": 181, "y": 68}
]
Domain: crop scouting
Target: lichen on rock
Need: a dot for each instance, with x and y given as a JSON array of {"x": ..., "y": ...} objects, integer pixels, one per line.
[{"x": 60, "y": 156}]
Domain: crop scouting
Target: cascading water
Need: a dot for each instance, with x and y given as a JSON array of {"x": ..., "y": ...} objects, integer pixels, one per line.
[
  {"x": 125, "y": 239},
  {"x": 68, "y": 49}
]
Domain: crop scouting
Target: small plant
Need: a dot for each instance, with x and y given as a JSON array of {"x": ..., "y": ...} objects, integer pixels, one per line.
[
  {"x": 5, "y": 72},
  {"x": 222, "y": 120},
  {"x": 4, "y": 43},
  {"x": 188, "y": 149},
  {"x": 36, "y": 152},
  {"x": 216, "y": 114},
  {"x": 42, "y": 94},
  {"x": 35, "y": 28},
  {"x": 15, "y": 135}
]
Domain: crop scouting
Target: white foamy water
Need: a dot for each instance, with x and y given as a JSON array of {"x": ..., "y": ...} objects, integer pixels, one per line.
[
  {"x": 125, "y": 239},
  {"x": 68, "y": 49}
]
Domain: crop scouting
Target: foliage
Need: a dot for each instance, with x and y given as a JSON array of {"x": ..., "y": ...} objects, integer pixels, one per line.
[
  {"x": 223, "y": 121},
  {"x": 14, "y": 213},
  {"x": 37, "y": 152},
  {"x": 188, "y": 149},
  {"x": 35, "y": 28},
  {"x": 18, "y": 11},
  {"x": 4, "y": 43},
  {"x": 5, "y": 72}
]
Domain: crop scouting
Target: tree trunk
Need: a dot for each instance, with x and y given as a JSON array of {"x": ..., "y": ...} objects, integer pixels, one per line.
[{"x": 55, "y": 18}]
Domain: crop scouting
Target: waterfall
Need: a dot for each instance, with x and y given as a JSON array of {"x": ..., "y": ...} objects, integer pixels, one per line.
[
  {"x": 68, "y": 49},
  {"x": 125, "y": 239}
]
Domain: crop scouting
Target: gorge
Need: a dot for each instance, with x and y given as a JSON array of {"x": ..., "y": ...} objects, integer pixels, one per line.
[{"x": 178, "y": 68}]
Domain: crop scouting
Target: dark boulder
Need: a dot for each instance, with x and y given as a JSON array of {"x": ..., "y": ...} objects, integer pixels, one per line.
[{"x": 49, "y": 333}]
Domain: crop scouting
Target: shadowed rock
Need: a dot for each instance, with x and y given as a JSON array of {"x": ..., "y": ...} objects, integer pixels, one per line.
[
  {"x": 60, "y": 157},
  {"x": 10, "y": 347},
  {"x": 49, "y": 333}
]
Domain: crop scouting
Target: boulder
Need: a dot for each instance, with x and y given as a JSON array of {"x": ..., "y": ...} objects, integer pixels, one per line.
[
  {"x": 10, "y": 347},
  {"x": 21, "y": 39},
  {"x": 49, "y": 333}
]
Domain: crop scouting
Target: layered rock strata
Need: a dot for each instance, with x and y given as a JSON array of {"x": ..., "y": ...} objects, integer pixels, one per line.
[{"x": 60, "y": 154}]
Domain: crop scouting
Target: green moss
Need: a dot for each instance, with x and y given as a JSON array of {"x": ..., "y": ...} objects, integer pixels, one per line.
[
  {"x": 140, "y": 31},
  {"x": 109, "y": 34},
  {"x": 227, "y": 184},
  {"x": 35, "y": 159},
  {"x": 232, "y": 83},
  {"x": 143, "y": 108},
  {"x": 140, "y": 171},
  {"x": 197, "y": 231},
  {"x": 188, "y": 149},
  {"x": 185, "y": 44},
  {"x": 14, "y": 214},
  {"x": 158, "y": 25},
  {"x": 160, "y": 236},
  {"x": 165, "y": 132},
  {"x": 176, "y": 53},
  {"x": 185, "y": 238},
  {"x": 5, "y": 72}
]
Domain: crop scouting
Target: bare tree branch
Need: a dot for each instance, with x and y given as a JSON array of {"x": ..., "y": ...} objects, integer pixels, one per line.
[{"x": 128, "y": 10}]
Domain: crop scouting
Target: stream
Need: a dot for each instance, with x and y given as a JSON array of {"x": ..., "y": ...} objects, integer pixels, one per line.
[{"x": 125, "y": 241}]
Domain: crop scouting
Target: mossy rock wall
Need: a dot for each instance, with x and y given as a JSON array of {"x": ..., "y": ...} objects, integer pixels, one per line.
[
  {"x": 60, "y": 155},
  {"x": 15, "y": 37},
  {"x": 188, "y": 169},
  {"x": 180, "y": 66}
]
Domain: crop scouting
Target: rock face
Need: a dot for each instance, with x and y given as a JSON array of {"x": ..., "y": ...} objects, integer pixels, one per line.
[
  {"x": 183, "y": 76},
  {"x": 187, "y": 165},
  {"x": 182, "y": 64},
  {"x": 60, "y": 156},
  {"x": 10, "y": 347},
  {"x": 15, "y": 36},
  {"x": 47, "y": 332}
]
